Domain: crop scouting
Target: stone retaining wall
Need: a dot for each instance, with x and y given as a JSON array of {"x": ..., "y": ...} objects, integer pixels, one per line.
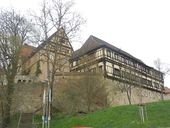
[
  {"x": 118, "y": 95},
  {"x": 28, "y": 96}
]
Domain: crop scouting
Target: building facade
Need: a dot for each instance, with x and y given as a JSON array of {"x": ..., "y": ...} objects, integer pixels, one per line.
[
  {"x": 115, "y": 64},
  {"x": 54, "y": 53}
]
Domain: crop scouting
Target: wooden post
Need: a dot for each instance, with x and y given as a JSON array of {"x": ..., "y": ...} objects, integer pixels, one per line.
[{"x": 143, "y": 113}]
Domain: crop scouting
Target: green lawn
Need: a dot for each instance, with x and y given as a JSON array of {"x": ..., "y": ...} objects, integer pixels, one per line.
[{"x": 119, "y": 117}]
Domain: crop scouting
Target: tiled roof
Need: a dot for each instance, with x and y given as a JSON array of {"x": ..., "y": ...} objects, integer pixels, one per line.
[
  {"x": 167, "y": 90},
  {"x": 93, "y": 43},
  {"x": 26, "y": 50}
]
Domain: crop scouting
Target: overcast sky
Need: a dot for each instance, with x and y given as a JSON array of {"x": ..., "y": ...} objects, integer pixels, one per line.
[{"x": 139, "y": 27}]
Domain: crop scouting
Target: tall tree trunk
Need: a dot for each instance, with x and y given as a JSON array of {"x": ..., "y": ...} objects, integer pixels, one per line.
[
  {"x": 6, "y": 117},
  {"x": 89, "y": 105},
  {"x": 128, "y": 92},
  {"x": 2, "y": 111},
  {"x": 162, "y": 93},
  {"x": 8, "y": 103}
]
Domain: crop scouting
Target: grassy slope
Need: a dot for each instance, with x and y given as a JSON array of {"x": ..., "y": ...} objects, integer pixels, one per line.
[{"x": 119, "y": 117}]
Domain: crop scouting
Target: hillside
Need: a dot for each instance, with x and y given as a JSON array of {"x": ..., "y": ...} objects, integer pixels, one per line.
[{"x": 119, "y": 117}]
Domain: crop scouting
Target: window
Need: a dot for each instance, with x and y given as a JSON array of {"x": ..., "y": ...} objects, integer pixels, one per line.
[
  {"x": 156, "y": 85},
  {"x": 19, "y": 81},
  {"x": 126, "y": 75},
  {"x": 74, "y": 63},
  {"x": 112, "y": 55},
  {"x": 67, "y": 51},
  {"x": 135, "y": 64},
  {"x": 123, "y": 74},
  {"x": 130, "y": 63},
  {"x": 93, "y": 70},
  {"x": 51, "y": 56},
  {"x": 119, "y": 58},
  {"x": 116, "y": 56},
  {"x": 123, "y": 59},
  {"x": 99, "y": 53},
  {"x": 147, "y": 70},
  {"x": 132, "y": 77},
  {"x": 109, "y": 53},
  {"x": 109, "y": 69},
  {"x": 144, "y": 81},
  {"x": 139, "y": 67},
  {"x": 149, "y": 82},
  {"x": 143, "y": 68},
  {"x": 62, "y": 40},
  {"x": 137, "y": 79},
  {"x": 116, "y": 72}
]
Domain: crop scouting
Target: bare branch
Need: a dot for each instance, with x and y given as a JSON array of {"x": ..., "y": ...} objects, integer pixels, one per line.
[{"x": 14, "y": 31}]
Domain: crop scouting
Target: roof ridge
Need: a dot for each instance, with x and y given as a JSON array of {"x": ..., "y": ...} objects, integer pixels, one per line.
[
  {"x": 99, "y": 43},
  {"x": 93, "y": 38}
]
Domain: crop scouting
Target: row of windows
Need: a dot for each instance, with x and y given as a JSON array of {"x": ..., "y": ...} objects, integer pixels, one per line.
[
  {"x": 125, "y": 60},
  {"x": 112, "y": 55},
  {"x": 24, "y": 81},
  {"x": 133, "y": 77}
]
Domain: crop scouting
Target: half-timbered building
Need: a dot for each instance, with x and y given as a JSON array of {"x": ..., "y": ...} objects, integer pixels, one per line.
[
  {"x": 55, "y": 51},
  {"x": 116, "y": 64}
]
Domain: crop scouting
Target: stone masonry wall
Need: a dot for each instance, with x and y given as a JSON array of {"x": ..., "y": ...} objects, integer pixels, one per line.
[
  {"x": 118, "y": 97},
  {"x": 167, "y": 96},
  {"x": 138, "y": 95},
  {"x": 28, "y": 96}
]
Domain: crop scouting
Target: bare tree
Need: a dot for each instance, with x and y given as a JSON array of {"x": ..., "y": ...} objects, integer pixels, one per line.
[
  {"x": 165, "y": 69},
  {"x": 57, "y": 15},
  {"x": 162, "y": 67},
  {"x": 127, "y": 88},
  {"x": 14, "y": 31},
  {"x": 62, "y": 15}
]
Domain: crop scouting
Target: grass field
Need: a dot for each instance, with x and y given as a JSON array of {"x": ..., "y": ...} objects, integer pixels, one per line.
[{"x": 118, "y": 117}]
